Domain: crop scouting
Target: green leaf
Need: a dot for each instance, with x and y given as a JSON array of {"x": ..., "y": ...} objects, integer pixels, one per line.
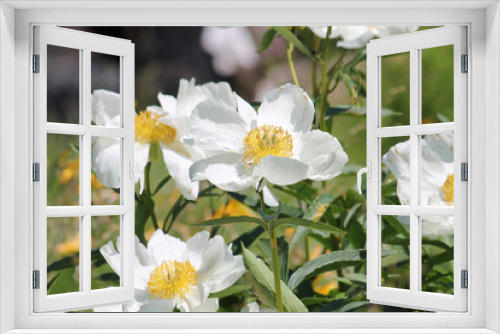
[
  {"x": 425, "y": 241},
  {"x": 161, "y": 184},
  {"x": 352, "y": 212},
  {"x": 155, "y": 153},
  {"x": 326, "y": 262},
  {"x": 352, "y": 306},
  {"x": 397, "y": 225},
  {"x": 307, "y": 223},
  {"x": 315, "y": 210},
  {"x": 292, "y": 39},
  {"x": 230, "y": 291},
  {"x": 267, "y": 39},
  {"x": 233, "y": 220},
  {"x": 141, "y": 217},
  {"x": 443, "y": 257},
  {"x": 246, "y": 239},
  {"x": 357, "y": 235},
  {"x": 265, "y": 247},
  {"x": 265, "y": 277}
]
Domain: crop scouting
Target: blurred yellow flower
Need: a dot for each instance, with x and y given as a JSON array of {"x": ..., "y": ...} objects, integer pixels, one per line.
[
  {"x": 324, "y": 283},
  {"x": 69, "y": 247},
  {"x": 234, "y": 209}
]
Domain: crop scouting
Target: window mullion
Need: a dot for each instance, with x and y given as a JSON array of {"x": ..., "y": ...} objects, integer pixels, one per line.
[
  {"x": 414, "y": 171},
  {"x": 85, "y": 151}
]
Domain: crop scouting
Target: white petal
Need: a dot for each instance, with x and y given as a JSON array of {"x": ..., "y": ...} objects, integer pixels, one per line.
[
  {"x": 403, "y": 189},
  {"x": 217, "y": 126},
  {"x": 165, "y": 247},
  {"x": 168, "y": 103},
  {"x": 356, "y": 43},
  {"x": 437, "y": 226},
  {"x": 443, "y": 146},
  {"x": 219, "y": 268},
  {"x": 106, "y": 161},
  {"x": 252, "y": 307},
  {"x": 289, "y": 107},
  {"x": 282, "y": 171},
  {"x": 190, "y": 95},
  {"x": 105, "y": 108},
  {"x": 141, "y": 158},
  {"x": 386, "y": 31},
  {"x": 349, "y": 33},
  {"x": 231, "y": 48},
  {"x": 192, "y": 300},
  {"x": 322, "y": 152},
  {"x": 195, "y": 247},
  {"x": 247, "y": 112},
  {"x": 178, "y": 166},
  {"x": 144, "y": 261},
  {"x": 226, "y": 171},
  {"x": 109, "y": 308},
  {"x": 398, "y": 159},
  {"x": 269, "y": 198},
  {"x": 210, "y": 305},
  {"x": 158, "y": 305},
  {"x": 112, "y": 256}
]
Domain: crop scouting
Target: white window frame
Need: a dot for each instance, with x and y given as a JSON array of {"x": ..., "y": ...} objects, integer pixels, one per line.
[
  {"x": 414, "y": 43},
  {"x": 483, "y": 21},
  {"x": 85, "y": 43}
]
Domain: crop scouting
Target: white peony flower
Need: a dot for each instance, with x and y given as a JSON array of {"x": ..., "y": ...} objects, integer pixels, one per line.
[
  {"x": 254, "y": 307},
  {"x": 355, "y": 37},
  {"x": 164, "y": 126},
  {"x": 231, "y": 48},
  {"x": 276, "y": 143},
  {"x": 171, "y": 273},
  {"x": 437, "y": 184}
]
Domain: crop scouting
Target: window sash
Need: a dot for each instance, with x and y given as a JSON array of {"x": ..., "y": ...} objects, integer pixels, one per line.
[
  {"x": 413, "y": 298},
  {"x": 86, "y": 43}
]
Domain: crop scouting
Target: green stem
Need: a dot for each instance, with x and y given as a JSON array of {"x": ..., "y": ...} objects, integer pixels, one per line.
[
  {"x": 289, "y": 49},
  {"x": 324, "y": 82},
  {"x": 166, "y": 226},
  {"x": 147, "y": 195},
  {"x": 276, "y": 269}
]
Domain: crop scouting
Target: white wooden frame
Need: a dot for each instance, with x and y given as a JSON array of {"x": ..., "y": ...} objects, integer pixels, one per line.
[
  {"x": 483, "y": 19},
  {"x": 85, "y": 43},
  {"x": 414, "y": 43}
]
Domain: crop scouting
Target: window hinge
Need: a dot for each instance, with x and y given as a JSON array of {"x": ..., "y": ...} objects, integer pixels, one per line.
[
  {"x": 36, "y": 172},
  {"x": 464, "y": 171},
  {"x": 36, "y": 279},
  {"x": 465, "y": 64},
  {"x": 465, "y": 279},
  {"x": 36, "y": 63}
]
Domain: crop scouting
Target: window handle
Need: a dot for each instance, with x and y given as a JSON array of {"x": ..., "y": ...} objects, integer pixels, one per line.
[
  {"x": 368, "y": 171},
  {"x": 139, "y": 171}
]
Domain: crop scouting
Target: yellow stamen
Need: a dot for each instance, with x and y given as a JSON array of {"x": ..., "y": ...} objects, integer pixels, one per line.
[
  {"x": 148, "y": 130},
  {"x": 172, "y": 280},
  {"x": 448, "y": 189},
  {"x": 266, "y": 140}
]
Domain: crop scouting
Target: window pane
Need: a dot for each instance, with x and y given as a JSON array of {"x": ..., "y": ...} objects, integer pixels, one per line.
[
  {"x": 395, "y": 171},
  {"x": 437, "y": 184},
  {"x": 106, "y": 170},
  {"x": 105, "y": 85},
  {"x": 437, "y": 84},
  {"x": 395, "y": 252},
  {"x": 63, "y": 170},
  {"x": 395, "y": 89},
  {"x": 63, "y": 85},
  {"x": 105, "y": 229},
  {"x": 437, "y": 254},
  {"x": 63, "y": 244}
]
